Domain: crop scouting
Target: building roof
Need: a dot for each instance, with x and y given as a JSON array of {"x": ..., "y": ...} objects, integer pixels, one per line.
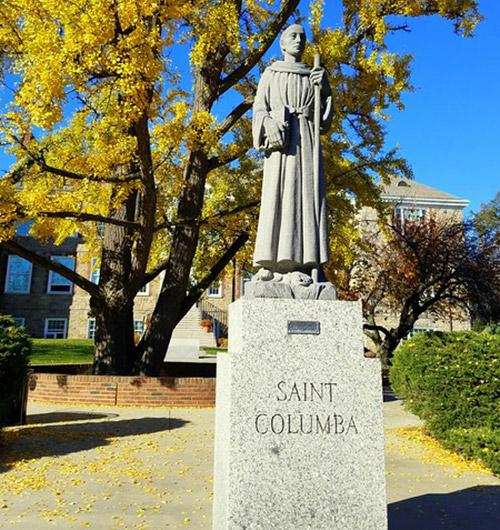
[{"x": 408, "y": 191}]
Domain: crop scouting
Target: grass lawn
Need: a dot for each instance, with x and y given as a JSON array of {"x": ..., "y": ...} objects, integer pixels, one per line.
[
  {"x": 213, "y": 351},
  {"x": 73, "y": 351},
  {"x": 62, "y": 351}
]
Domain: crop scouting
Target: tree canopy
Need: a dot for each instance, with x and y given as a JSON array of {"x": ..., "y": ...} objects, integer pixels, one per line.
[{"x": 110, "y": 144}]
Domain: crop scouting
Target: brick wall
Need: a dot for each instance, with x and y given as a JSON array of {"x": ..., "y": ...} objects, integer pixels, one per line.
[{"x": 121, "y": 390}]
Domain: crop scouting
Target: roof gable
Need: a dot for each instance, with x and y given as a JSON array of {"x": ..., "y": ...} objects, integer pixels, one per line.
[{"x": 410, "y": 190}]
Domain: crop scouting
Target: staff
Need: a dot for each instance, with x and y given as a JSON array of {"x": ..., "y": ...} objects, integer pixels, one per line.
[{"x": 317, "y": 124}]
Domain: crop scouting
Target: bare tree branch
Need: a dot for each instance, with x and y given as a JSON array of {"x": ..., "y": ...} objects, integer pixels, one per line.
[
  {"x": 234, "y": 116},
  {"x": 15, "y": 248},
  {"x": 269, "y": 36},
  {"x": 218, "y": 215},
  {"x": 40, "y": 160},
  {"x": 219, "y": 161},
  {"x": 226, "y": 213},
  {"x": 82, "y": 216},
  {"x": 375, "y": 327},
  {"x": 197, "y": 290}
]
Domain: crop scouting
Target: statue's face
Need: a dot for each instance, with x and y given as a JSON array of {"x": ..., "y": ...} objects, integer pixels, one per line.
[{"x": 293, "y": 41}]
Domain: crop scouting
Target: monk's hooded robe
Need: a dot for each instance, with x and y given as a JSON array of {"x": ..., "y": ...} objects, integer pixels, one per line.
[{"x": 292, "y": 231}]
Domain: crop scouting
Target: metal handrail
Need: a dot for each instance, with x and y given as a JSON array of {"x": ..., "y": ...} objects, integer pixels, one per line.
[{"x": 213, "y": 312}]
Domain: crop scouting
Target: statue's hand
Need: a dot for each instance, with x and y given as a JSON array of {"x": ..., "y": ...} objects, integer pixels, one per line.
[
  {"x": 318, "y": 77},
  {"x": 275, "y": 133}
]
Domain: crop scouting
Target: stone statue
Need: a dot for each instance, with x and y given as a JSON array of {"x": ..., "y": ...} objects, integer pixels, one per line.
[{"x": 292, "y": 238}]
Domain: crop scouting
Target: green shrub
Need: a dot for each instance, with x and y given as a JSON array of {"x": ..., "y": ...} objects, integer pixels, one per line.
[
  {"x": 482, "y": 443},
  {"x": 452, "y": 381},
  {"x": 15, "y": 349}
]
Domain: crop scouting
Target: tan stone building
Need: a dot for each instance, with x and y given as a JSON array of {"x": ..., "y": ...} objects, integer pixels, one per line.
[{"x": 413, "y": 201}]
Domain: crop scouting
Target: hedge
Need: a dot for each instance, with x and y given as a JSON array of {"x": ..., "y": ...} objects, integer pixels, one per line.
[
  {"x": 15, "y": 350},
  {"x": 452, "y": 382}
]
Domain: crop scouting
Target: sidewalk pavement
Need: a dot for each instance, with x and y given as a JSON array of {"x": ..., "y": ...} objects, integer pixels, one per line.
[
  {"x": 429, "y": 489},
  {"x": 151, "y": 468}
]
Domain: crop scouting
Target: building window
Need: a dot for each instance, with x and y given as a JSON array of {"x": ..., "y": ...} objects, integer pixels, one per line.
[
  {"x": 18, "y": 277},
  {"x": 215, "y": 290},
  {"x": 144, "y": 290},
  {"x": 245, "y": 278},
  {"x": 59, "y": 284},
  {"x": 139, "y": 327},
  {"x": 20, "y": 322},
  {"x": 95, "y": 271},
  {"x": 410, "y": 214},
  {"x": 55, "y": 328},
  {"x": 91, "y": 328},
  {"x": 419, "y": 329}
]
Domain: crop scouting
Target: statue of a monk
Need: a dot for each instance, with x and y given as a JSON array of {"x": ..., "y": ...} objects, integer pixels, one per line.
[{"x": 292, "y": 233}]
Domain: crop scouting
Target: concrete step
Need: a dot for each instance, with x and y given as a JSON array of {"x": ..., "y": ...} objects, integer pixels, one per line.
[{"x": 189, "y": 327}]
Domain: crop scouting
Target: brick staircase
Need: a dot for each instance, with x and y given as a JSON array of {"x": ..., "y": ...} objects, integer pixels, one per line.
[{"x": 189, "y": 328}]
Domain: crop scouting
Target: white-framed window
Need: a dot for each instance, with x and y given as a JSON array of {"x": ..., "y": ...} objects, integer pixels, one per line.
[
  {"x": 59, "y": 284},
  {"x": 245, "y": 278},
  {"x": 144, "y": 290},
  {"x": 95, "y": 271},
  {"x": 215, "y": 290},
  {"x": 410, "y": 214},
  {"x": 20, "y": 322},
  {"x": 55, "y": 328},
  {"x": 91, "y": 328},
  {"x": 139, "y": 327},
  {"x": 419, "y": 329},
  {"x": 18, "y": 277}
]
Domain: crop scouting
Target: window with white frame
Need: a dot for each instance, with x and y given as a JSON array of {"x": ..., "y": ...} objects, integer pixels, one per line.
[
  {"x": 144, "y": 290},
  {"x": 246, "y": 278},
  {"x": 91, "y": 328},
  {"x": 139, "y": 327},
  {"x": 59, "y": 284},
  {"x": 410, "y": 214},
  {"x": 95, "y": 271},
  {"x": 55, "y": 328},
  {"x": 20, "y": 322},
  {"x": 215, "y": 290},
  {"x": 18, "y": 277},
  {"x": 419, "y": 329}
]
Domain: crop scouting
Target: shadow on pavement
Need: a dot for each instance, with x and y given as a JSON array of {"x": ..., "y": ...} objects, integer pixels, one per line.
[
  {"x": 58, "y": 417},
  {"x": 26, "y": 443},
  {"x": 469, "y": 509}
]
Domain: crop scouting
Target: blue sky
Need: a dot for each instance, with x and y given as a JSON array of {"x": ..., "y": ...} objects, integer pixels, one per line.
[{"x": 449, "y": 131}]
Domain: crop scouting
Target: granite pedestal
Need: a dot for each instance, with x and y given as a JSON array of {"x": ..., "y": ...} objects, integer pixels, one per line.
[{"x": 299, "y": 431}]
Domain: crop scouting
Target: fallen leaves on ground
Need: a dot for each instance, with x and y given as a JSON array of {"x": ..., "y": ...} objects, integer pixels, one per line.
[
  {"x": 429, "y": 450},
  {"x": 118, "y": 473}
]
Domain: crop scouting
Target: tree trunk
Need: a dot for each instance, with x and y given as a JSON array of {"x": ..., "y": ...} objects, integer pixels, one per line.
[
  {"x": 114, "y": 338},
  {"x": 169, "y": 307},
  {"x": 152, "y": 350},
  {"x": 168, "y": 310},
  {"x": 113, "y": 307},
  {"x": 389, "y": 343}
]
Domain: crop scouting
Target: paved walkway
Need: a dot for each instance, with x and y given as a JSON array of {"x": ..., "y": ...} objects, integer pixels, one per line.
[{"x": 112, "y": 468}]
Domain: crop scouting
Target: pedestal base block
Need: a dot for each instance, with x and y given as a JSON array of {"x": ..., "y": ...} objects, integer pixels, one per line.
[{"x": 299, "y": 429}]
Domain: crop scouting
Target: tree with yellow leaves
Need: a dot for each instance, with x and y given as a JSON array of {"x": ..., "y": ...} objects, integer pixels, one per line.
[{"x": 108, "y": 144}]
